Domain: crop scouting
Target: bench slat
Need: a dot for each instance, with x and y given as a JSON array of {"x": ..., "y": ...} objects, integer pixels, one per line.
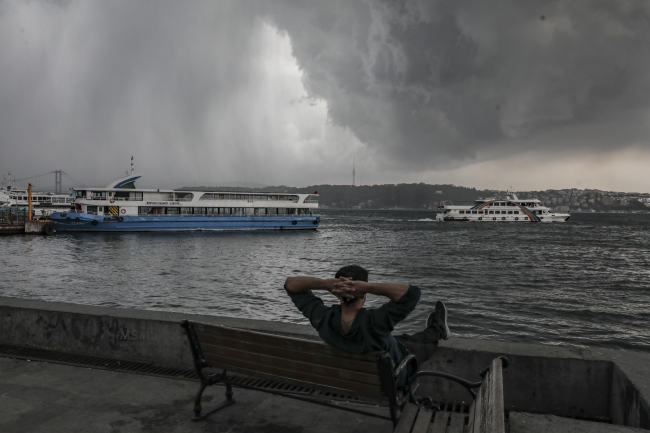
[
  {"x": 457, "y": 423},
  {"x": 211, "y": 353},
  {"x": 406, "y": 419},
  {"x": 440, "y": 422},
  {"x": 279, "y": 352},
  {"x": 486, "y": 414},
  {"x": 423, "y": 420},
  {"x": 308, "y": 379},
  {"x": 290, "y": 343}
]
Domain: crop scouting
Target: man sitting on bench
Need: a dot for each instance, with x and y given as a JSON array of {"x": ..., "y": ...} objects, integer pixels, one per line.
[{"x": 355, "y": 329}]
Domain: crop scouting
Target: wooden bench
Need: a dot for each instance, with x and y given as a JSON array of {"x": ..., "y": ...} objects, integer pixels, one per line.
[
  {"x": 485, "y": 415},
  {"x": 296, "y": 364}
]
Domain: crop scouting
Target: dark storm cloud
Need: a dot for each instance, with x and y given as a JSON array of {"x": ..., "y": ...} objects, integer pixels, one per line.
[
  {"x": 422, "y": 84},
  {"x": 431, "y": 81},
  {"x": 87, "y": 83}
]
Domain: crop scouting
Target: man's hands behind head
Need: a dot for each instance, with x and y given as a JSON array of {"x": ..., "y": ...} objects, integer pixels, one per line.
[{"x": 348, "y": 289}]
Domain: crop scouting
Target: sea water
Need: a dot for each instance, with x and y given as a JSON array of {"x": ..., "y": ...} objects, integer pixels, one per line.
[{"x": 585, "y": 282}]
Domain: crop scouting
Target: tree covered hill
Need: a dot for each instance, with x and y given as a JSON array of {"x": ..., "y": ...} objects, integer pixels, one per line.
[{"x": 404, "y": 195}]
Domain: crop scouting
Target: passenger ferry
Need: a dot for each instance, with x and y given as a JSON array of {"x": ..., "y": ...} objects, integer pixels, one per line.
[
  {"x": 121, "y": 206},
  {"x": 43, "y": 203},
  {"x": 510, "y": 209}
]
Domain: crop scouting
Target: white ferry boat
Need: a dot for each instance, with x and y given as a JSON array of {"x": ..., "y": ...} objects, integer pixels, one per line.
[
  {"x": 43, "y": 203},
  {"x": 510, "y": 209},
  {"x": 121, "y": 206}
]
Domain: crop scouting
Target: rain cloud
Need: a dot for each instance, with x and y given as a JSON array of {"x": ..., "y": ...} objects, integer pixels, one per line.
[{"x": 289, "y": 92}]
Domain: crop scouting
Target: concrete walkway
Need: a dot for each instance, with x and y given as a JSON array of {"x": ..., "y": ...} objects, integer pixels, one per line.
[
  {"x": 43, "y": 397},
  {"x": 52, "y": 398}
]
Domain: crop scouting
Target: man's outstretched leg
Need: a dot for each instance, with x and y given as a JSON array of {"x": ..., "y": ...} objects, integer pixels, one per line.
[{"x": 423, "y": 344}]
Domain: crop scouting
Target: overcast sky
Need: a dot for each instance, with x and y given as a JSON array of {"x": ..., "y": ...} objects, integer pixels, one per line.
[{"x": 491, "y": 94}]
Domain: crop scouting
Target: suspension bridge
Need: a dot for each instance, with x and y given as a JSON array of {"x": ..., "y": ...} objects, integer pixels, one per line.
[{"x": 56, "y": 181}]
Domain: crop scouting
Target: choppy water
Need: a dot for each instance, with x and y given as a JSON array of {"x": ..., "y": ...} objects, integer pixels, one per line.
[{"x": 585, "y": 282}]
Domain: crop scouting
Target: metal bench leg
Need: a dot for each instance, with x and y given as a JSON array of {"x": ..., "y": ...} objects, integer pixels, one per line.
[
  {"x": 197, "y": 401},
  {"x": 229, "y": 392}
]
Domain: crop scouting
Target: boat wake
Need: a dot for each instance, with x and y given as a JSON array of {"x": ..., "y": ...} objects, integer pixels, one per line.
[{"x": 428, "y": 220}]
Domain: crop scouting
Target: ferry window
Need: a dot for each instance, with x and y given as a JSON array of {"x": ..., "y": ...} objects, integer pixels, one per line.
[
  {"x": 92, "y": 209},
  {"x": 183, "y": 196},
  {"x": 171, "y": 211},
  {"x": 311, "y": 199},
  {"x": 516, "y": 211},
  {"x": 144, "y": 210},
  {"x": 223, "y": 197},
  {"x": 480, "y": 212},
  {"x": 207, "y": 197},
  {"x": 282, "y": 211},
  {"x": 273, "y": 197},
  {"x": 260, "y": 211},
  {"x": 273, "y": 211},
  {"x": 509, "y": 212},
  {"x": 462, "y": 211},
  {"x": 491, "y": 212},
  {"x": 474, "y": 212},
  {"x": 248, "y": 211},
  {"x": 199, "y": 211}
]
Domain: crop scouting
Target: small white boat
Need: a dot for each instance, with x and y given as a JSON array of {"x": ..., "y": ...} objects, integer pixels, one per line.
[{"x": 508, "y": 209}]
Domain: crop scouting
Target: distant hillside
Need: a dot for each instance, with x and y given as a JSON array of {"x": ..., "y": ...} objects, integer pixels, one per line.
[{"x": 410, "y": 196}]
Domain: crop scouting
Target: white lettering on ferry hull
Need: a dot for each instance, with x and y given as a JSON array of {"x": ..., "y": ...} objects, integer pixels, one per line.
[{"x": 157, "y": 203}]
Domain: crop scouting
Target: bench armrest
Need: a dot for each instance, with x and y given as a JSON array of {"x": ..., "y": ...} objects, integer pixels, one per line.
[
  {"x": 469, "y": 386},
  {"x": 405, "y": 362}
]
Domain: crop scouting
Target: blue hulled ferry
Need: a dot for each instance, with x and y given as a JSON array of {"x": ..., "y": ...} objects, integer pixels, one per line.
[{"x": 121, "y": 206}]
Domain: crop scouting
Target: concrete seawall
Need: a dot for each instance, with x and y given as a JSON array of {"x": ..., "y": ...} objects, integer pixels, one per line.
[{"x": 566, "y": 381}]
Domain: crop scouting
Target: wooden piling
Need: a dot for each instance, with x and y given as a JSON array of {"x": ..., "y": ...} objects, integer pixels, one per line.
[{"x": 29, "y": 202}]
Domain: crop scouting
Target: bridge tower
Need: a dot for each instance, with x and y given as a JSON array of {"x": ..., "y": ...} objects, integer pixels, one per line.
[{"x": 58, "y": 174}]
